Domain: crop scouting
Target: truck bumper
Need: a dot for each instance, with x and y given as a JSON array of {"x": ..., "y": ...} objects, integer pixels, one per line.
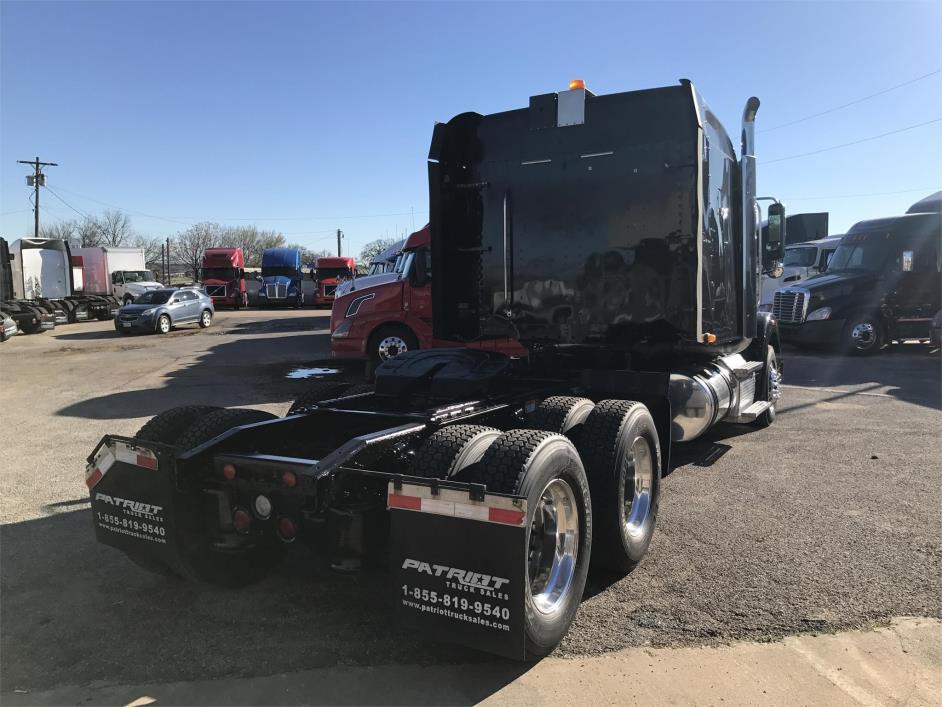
[{"x": 823, "y": 333}]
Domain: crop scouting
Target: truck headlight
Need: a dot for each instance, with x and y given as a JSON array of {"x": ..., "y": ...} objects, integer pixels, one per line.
[
  {"x": 765, "y": 307},
  {"x": 343, "y": 330},
  {"x": 819, "y": 314}
]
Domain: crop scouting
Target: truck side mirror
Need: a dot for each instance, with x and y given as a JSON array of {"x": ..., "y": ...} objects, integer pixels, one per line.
[{"x": 774, "y": 247}]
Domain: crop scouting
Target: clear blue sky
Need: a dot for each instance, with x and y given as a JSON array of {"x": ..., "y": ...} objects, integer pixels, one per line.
[{"x": 321, "y": 113}]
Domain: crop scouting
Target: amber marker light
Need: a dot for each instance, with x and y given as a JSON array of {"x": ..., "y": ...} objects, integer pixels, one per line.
[{"x": 576, "y": 83}]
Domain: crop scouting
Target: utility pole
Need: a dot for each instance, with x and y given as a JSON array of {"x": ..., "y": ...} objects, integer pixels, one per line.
[
  {"x": 36, "y": 179},
  {"x": 339, "y": 236}
]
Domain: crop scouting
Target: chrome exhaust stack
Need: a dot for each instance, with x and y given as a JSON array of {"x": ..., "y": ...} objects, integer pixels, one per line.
[{"x": 751, "y": 270}]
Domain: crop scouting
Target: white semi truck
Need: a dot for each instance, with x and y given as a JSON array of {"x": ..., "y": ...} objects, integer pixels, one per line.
[
  {"x": 118, "y": 272},
  {"x": 42, "y": 273}
]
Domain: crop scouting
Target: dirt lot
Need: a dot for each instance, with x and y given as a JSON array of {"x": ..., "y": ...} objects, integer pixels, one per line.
[{"x": 827, "y": 520}]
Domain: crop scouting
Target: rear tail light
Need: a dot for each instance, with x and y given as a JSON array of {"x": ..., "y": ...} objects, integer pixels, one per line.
[
  {"x": 287, "y": 529},
  {"x": 241, "y": 520},
  {"x": 289, "y": 479},
  {"x": 229, "y": 471}
]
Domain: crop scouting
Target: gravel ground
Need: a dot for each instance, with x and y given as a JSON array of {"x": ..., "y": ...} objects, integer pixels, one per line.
[{"x": 829, "y": 519}]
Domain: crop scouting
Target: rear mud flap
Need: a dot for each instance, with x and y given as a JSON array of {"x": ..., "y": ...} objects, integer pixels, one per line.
[
  {"x": 131, "y": 484},
  {"x": 460, "y": 565}
]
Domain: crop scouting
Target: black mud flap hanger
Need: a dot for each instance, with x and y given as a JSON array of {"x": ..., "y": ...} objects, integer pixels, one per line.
[
  {"x": 132, "y": 489},
  {"x": 460, "y": 558}
]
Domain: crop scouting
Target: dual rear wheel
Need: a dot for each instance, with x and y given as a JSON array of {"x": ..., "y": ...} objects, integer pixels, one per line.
[{"x": 611, "y": 447}]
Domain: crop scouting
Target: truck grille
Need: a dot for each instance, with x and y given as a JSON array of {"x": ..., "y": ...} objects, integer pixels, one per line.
[
  {"x": 276, "y": 291},
  {"x": 788, "y": 306},
  {"x": 216, "y": 290}
]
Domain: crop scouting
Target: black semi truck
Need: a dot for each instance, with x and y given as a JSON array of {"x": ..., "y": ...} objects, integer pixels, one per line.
[{"x": 488, "y": 484}]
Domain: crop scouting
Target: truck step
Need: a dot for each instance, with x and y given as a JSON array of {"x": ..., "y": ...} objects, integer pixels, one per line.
[
  {"x": 751, "y": 412},
  {"x": 747, "y": 369}
]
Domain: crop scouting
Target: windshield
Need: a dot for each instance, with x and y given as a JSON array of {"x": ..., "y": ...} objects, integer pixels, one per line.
[
  {"x": 327, "y": 273},
  {"x": 138, "y": 276},
  {"x": 801, "y": 257},
  {"x": 220, "y": 273},
  {"x": 862, "y": 254},
  {"x": 282, "y": 271},
  {"x": 154, "y": 297},
  {"x": 380, "y": 267},
  {"x": 404, "y": 263}
]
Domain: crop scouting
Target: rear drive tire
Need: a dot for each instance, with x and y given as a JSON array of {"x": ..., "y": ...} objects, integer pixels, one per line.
[
  {"x": 622, "y": 457},
  {"x": 768, "y": 387},
  {"x": 863, "y": 334},
  {"x": 215, "y": 423},
  {"x": 317, "y": 392},
  {"x": 453, "y": 452},
  {"x": 166, "y": 427},
  {"x": 389, "y": 341},
  {"x": 163, "y": 324},
  {"x": 562, "y": 414},
  {"x": 545, "y": 467}
]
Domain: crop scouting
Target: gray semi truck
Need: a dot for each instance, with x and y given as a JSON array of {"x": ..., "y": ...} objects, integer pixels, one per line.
[{"x": 487, "y": 484}]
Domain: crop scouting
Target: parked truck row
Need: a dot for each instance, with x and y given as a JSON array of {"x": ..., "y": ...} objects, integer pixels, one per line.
[{"x": 583, "y": 229}]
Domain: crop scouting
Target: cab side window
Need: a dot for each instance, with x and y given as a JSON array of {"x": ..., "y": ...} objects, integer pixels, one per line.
[{"x": 116, "y": 278}]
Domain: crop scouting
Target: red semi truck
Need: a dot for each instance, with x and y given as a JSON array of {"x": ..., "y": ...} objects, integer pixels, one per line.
[
  {"x": 387, "y": 319},
  {"x": 328, "y": 273},
  {"x": 223, "y": 276}
]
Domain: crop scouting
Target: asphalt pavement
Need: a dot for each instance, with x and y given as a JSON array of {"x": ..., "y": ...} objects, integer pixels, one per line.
[{"x": 828, "y": 520}]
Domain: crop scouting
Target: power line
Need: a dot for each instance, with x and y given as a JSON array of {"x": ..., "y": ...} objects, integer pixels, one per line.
[
  {"x": 194, "y": 219},
  {"x": 848, "y": 144},
  {"x": 859, "y": 196},
  {"x": 80, "y": 213},
  {"x": 18, "y": 211},
  {"x": 852, "y": 103}
]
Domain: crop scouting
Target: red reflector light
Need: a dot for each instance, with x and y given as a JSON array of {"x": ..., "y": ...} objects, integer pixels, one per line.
[
  {"x": 229, "y": 472},
  {"x": 241, "y": 520},
  {"x": 146, "y": 462},
  {"x": 502, "y": 515},
  {"x": 413, "y": 503},
  {"x": 289, "y": 479},
  {"x": 287, "y": 529}
]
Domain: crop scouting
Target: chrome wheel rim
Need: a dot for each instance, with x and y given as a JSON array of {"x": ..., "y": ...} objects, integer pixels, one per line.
[
  {"x": 553, "y": 546},
  {"x": 775, "y": 381},
  {"x": 392, "y": 346},
  {"x": 207, "y": 318},
  {"x": 164, "y": 324},
  {"x": 863, "y": 335},
  {"x": 639, "y": 488}
]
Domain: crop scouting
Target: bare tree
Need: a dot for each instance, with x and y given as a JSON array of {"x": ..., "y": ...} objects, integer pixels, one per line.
[
  {"x": 114, "y": 228},
  {"x": 374, "y": 248},
  {"x": 62, "y": 230},
  {"x": 89, "y": 232},
  {"x": 153, "y": 250},
  {"x": 187, "y": 246}
]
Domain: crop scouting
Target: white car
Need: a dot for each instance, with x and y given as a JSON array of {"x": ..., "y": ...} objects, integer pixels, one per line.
[{"x": 802, "y": 260}]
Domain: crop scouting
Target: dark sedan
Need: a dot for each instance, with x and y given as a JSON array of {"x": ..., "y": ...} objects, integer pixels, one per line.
[{"x": 161, "y": 310}]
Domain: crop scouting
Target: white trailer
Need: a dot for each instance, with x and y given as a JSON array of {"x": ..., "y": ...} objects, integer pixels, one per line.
[{"x": 119, "y": 272}]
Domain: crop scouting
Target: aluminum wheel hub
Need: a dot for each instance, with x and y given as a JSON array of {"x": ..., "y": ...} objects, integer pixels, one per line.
[
  {"x": 392, "y": 346},
  {"x": 553, "y": 546},
  {"x": 863, "y": 335},
  {"x": 639, "y": 486}
]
